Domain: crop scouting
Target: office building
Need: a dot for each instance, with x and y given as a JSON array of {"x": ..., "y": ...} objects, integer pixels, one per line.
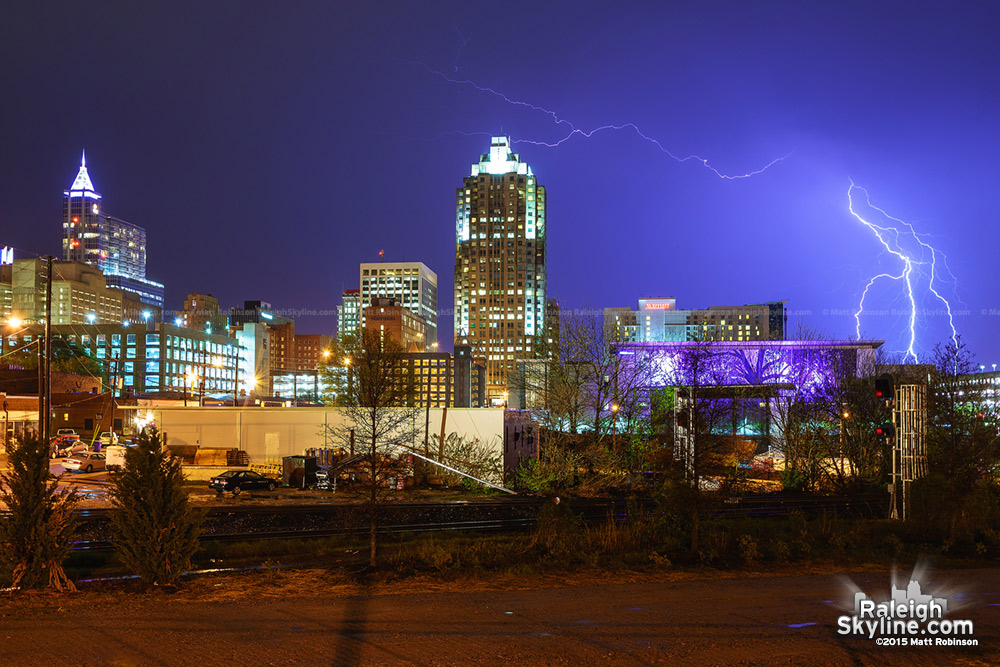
[
  {"x": 80, "y": 295},
  {"x": 311, "y": 350},
  {"x": 6, "y": 291},
  {"x": 156, "y": 358},
  {"x": 411, "y": 284},
  {"x": 254, "y": 343},
  {"x": 201, "y": 311},
  {"x": 349, "y": 314},
  {"x": 116, "y": 247},
  {"x": 659, "y": 321},
  {"x": 389, "y": 320},
  {"x": 500, "y": 270}
]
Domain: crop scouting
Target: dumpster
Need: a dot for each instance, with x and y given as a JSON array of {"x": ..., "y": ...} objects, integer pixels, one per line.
[{"x": 299, "y": 471}]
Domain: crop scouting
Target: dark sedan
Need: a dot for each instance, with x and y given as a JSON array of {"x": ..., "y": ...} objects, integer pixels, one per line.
[{"x": 237, "y": 481}]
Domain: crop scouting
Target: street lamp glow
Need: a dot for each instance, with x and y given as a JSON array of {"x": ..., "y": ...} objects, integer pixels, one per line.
[
  {"x": 178, "y": 321},
  {"x": 15, "y": 322},
  {"x": 146, "y": 315},
  {"x": 125, "y": 323},
  {"x": 91, "y": 318}
]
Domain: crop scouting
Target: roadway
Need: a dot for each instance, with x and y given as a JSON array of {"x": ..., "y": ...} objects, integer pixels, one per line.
[{"x": 256, "y": 619}]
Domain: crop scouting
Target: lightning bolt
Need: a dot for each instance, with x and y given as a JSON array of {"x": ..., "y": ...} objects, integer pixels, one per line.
[
  {"x": 889, "y": 236},
  {"x": 572, "y": 130}
]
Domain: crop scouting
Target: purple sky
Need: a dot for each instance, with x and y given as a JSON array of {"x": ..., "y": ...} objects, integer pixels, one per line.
[{"x": 268, "y": 150}]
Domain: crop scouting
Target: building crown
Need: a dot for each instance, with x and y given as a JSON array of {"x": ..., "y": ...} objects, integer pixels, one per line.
[
  {"x": 82, "y": 186},
  {"x": 500, "y": 160}
]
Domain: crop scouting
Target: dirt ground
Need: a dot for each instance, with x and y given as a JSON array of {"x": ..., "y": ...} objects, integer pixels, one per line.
[{"x": 315, "y": 617}]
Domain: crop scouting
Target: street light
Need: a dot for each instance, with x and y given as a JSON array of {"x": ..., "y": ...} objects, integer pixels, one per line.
[
  {"x": 614, "y": 427},
  {"x": 91, "y": 318},
  {"x": 191, "y": 379},
  {"x": 347, "y": 365}
]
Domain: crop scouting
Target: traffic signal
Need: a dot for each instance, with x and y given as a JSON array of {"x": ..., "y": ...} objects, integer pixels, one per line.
[
  {"x": 884, "y": 387},
  {"x": 683, "y": 419},
  {"x": 887, "y": 430}
]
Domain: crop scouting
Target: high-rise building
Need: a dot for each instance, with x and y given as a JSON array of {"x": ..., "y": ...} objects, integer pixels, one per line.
[
  {"x": 116, "y": 247},
  {"x": 201, "y": 312},
  {"x": 659, "y": 321},
  {"x": 411, "y": 284},
  {"x": 349, "y": 314},
  {"x": 500, "y": 277}
]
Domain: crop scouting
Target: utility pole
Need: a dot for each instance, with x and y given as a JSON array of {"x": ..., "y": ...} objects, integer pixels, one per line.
[
  {"x": 236, "y": 382},
  {"x": 46, "y": 436},
  {"x": 427, "y": 418}
]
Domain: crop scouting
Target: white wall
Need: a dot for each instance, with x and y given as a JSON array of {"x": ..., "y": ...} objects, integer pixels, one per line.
[{"x": 290, "y": 431}]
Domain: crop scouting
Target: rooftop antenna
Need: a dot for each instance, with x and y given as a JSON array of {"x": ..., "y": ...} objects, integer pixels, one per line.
[{"x": 381, "y": 256}]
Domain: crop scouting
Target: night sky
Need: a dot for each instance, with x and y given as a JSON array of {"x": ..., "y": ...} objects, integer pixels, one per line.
[{"x": 268, "y": 150}]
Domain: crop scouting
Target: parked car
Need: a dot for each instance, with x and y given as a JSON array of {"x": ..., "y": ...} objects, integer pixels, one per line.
[
  {"x": 237, "y": 481},
  {"x": 66, "y": 445},
  {"x": 108, "y": 438},
  {"x": 85, "y": 462},
  {"x": 67, "y": 431}
]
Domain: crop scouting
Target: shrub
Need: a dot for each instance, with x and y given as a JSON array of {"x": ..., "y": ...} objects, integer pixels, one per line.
[
  {"x": 554, "y": 472},
  {"x": 36, "y": 535},
  {"x": 749, "y": 553},
  {"x": 154, "y": 529},
  {"x": 781, "y": 550}
]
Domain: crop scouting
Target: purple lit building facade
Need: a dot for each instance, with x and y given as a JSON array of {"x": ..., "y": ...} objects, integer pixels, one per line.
[{"x": 809, "y": 366}]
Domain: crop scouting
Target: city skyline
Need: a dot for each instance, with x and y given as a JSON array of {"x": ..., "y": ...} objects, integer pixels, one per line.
[{"x": 217, "y": 170}]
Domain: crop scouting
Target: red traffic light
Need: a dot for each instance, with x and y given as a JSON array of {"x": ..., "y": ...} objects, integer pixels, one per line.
[
  {"x": 884, "y": 387},
  {"x": 886, "y": 430}
]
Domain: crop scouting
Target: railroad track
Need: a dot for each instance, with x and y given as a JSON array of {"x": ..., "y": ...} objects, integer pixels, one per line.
[{"x": 262, "y": 522}]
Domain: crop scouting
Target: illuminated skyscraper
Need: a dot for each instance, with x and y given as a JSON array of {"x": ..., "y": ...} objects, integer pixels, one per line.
[
  {"x": 500, "y": 279},
  {"x": 349, "y": 314},
  {"x": 116, "y": 247}
]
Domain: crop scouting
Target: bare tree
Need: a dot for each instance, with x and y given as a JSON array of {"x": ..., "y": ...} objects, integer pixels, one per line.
[
  {"x": 374, "y": 399},
  {"x": 962, "y": 438},
  {"x": 588, "y": 383}
]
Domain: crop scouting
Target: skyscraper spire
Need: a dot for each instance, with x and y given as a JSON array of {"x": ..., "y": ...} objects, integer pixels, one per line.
[{"x": 82, "y": 183}]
